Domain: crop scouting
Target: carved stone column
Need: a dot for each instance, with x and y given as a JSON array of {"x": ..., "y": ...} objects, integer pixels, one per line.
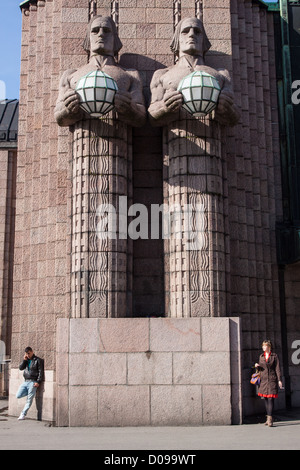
[
  {"x": 195, "y": 261},
  {"x": 100, "y": 254}
]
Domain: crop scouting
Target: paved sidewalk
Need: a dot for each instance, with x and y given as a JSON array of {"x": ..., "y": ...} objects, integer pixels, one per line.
[{"x": 35, "y": 435}]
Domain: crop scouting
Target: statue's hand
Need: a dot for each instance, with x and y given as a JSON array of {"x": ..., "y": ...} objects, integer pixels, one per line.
[
  {"x": 225, "y": 102},
  {"x": 173, "y": 100},
  {"x": 123, "y": 102},
  {"x": 129, "y": 110},
  {"x": 226, "y": 112},
  {"x": 72, "y": 101}
]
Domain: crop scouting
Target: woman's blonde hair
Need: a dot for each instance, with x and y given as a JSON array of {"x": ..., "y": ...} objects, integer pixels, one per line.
[{"x": 267, "y": 342}]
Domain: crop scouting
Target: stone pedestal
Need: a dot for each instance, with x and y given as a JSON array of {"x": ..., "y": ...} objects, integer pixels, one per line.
[
  {"x": 141, "y": 372},
  {"x": 101, "y": 255},
  {"x": 195, "y": 249}
]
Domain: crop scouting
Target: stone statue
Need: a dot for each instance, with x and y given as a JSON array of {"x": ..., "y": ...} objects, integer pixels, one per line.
[
  {"x": 103, "y": 44},
  {"x": 190, "y": 43},
  {"x": 194, "y": 181},
  {"x": 101, "y": 174}
]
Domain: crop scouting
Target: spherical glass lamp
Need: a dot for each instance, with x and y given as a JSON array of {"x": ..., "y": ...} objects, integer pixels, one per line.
[
  {"x": 97, "y": 92},
  {"x": 200, "y": 92}
]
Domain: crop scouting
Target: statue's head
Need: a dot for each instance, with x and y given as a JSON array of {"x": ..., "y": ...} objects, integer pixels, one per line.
[
  {"x": 102, "y": 37},
  {"x": 190, "y": 38}
]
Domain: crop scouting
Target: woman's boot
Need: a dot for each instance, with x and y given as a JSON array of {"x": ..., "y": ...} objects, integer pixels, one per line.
[{"x": 270, "y": 421}]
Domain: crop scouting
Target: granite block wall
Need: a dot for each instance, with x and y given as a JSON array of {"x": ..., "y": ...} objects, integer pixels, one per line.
[
  {"x": 51, "y": 43},
  {"x": 141, "y": 372},
  {"x": 254, "y": 186}
]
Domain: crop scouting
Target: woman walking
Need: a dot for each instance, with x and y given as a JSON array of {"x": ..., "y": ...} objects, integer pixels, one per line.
[{"x": 270, "y": 378}]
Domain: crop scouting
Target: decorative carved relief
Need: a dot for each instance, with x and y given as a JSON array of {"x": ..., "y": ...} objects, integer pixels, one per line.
[
  {"x": 92, "y": 8},
  {"x": 115, "y": 11},
  {"x": 176, "y": 12},
  {"x": 199, "y": 9}
]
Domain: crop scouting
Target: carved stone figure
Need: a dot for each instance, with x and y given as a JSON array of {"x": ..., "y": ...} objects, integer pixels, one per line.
[
  {"x": 194, "y": 181},
  {"x": 103, "y": 44},
  {"x": 101, "y": 282},
  {"x": 190, "y": 44}
]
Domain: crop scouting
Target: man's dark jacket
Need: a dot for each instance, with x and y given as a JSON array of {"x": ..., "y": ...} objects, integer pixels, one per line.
[{"x": 36, "y": 371}]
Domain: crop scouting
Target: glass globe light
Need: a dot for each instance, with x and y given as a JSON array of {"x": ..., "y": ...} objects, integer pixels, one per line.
[
  {"x": 97, "y": 92},
  {"x": 200, "y": 92}
]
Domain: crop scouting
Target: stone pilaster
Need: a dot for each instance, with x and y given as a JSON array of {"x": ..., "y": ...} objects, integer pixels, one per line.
[
  {"x": 195, "y": 248},
  {"x": 101, "y": 158}
]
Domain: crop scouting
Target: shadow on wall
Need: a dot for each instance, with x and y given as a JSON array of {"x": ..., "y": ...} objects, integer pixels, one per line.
[{"x": 147, "y": 66}]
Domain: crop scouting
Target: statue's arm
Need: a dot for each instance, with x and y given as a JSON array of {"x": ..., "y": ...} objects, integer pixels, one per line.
[
  {"x": 165, "y": 104},
  {"x": 67, "y": 111},
  {"x": 227, "y": 113},
  {"x": 130, "y": 105}
]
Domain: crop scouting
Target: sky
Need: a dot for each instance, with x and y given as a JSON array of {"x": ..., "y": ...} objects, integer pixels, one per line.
[{"x": 10, "y": 48}]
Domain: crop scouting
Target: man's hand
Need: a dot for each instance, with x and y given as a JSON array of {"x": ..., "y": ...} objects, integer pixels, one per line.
[{"x": 36, "y": 385}]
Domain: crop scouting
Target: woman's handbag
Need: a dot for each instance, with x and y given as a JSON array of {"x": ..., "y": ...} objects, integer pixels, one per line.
[{"x": 255, "y": 378}]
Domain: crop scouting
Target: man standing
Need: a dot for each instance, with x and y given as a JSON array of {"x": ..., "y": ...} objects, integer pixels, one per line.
[{"x": 33, "y": 375}]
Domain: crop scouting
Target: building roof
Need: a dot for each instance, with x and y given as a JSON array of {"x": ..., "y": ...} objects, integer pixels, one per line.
[
  {"x": 9, "y": 115},
  {"x": 273, "y": 6},
  {"x": 25, "y": 4}
]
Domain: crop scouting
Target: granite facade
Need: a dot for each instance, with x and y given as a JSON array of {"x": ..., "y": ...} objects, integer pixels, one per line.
[{"x": 242, "y": 37}]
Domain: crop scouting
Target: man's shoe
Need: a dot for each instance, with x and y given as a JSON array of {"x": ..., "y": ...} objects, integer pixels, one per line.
[{"x": 21, "y": 417}]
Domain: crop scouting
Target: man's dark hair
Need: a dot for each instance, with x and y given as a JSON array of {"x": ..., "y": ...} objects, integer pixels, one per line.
[{"x": 28, "y": 349}]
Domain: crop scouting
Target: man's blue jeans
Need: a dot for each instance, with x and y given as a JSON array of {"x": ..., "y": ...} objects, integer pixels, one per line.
[{"x": 27, "y": 389}]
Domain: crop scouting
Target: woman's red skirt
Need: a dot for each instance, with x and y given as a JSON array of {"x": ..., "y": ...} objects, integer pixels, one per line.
[{"x": 267, "y": 396}]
